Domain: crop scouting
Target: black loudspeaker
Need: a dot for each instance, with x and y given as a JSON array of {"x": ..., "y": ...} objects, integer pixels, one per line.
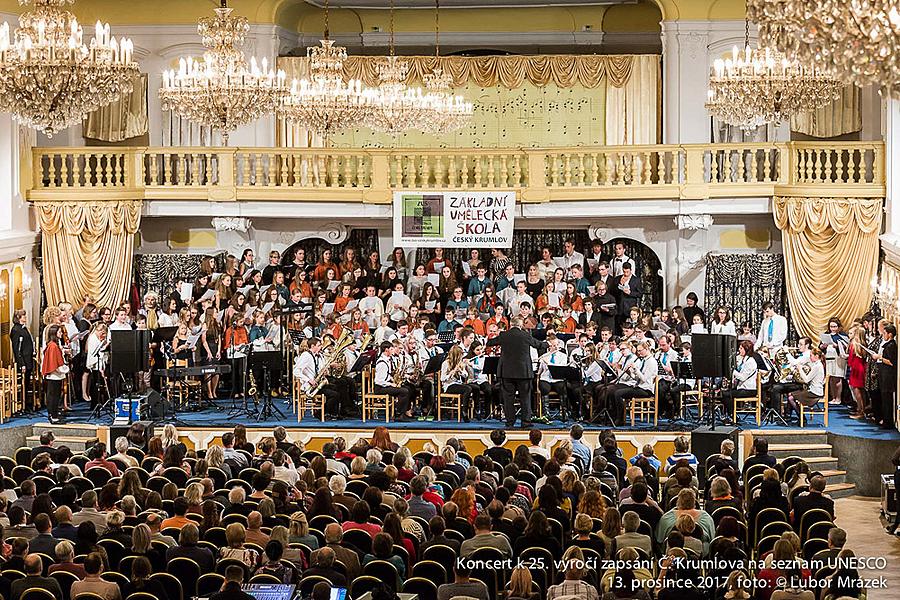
[
  {"x": 156, "y": 407},
  {"x": 117, "y": 431},
  {"x": 129, "y": 351},
  {"x": 712, "y": 354},
  {"x": 705, "y": 441}
]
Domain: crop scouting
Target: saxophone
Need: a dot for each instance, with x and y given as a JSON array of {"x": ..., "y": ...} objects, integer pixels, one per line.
[
  {"x": 251, "y": 391},
  {"x": 398, "y": 373}
]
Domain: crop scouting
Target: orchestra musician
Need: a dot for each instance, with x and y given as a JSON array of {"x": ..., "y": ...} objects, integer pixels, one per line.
[
  {"x": 97, "y": 361},
  {"x": 668, "y": 395},
  {"x": 743, "y": 377},
  {"x": 637, "y": 381},
  {"x": 456, "y": 373},
  {"x": 387, "y": 383},
  {"x": 787, "y": 384},
  {"x": 814, "y": 380},
  {"x": 54, "y": 369},
  {"x": 23, "y": 353},
  {"x": 487, "y": 392},
  {"x": 547, "y": 383},
  {"x": 309, "y": 368}
]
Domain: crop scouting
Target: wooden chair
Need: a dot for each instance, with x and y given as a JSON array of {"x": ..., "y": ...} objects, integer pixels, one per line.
[
  {"x": 697, "y": 395},
  {"x": 9, "y": 392},
  {"x": 642, "y": 408},
  {"x": 752, "y": 405},
  {"x": 806, "y": 412},
  {"x": 303, "y": 403},
  {"x": 372, "y": 402},
  {"x": 450, "y": 402}
]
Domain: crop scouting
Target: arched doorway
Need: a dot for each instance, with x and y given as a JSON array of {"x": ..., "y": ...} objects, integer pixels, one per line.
[
  {"x": 363, "y": 240},
  {"x": 649, "y": 267}
]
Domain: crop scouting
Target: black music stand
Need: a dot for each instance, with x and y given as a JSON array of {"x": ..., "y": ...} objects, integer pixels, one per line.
[
  {"x": 363, "y": 360},
  {"x": 434, "y": 363},
  {"x": 603, "y": 416},
  {"x": 244, "y": 408},
  {"x": 269, "y": 361}
]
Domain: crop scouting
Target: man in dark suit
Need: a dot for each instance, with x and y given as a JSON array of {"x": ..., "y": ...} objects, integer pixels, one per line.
[
  {"x": 231, "y": 589},
  {"x": 23, "y": 352},
  {"x": 815, "y": 498},
  {"x": 515, "y": 369},
  {"x": 437, "y": 528},
  {"x": 33, "y": 579},
  {"x": 887, "y": 375},
  {"x": 44, "y": 543},
  {"x": 46, "y": 445},
  {"x": 630, "y": 290}
]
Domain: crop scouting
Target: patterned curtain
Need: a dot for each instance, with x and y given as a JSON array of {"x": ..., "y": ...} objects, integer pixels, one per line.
[
  {"x": 363, "y": 240},
  {"x": 158, "y": 272},
  {"x": 743, "y": 282}
]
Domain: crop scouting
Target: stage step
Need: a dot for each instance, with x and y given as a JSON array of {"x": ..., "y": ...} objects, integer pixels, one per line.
[
  {"x": 803, "y": 450},
  {"x": 77, "y": 437},
  {"x": 793, "y": 436},
  {"x": 840, "y": 490}
]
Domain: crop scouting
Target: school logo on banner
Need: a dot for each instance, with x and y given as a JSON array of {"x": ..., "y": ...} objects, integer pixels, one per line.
[{"x": 454, "y": 219}]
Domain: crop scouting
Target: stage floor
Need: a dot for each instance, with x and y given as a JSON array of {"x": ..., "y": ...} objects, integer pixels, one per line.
[{"x": 839, "y": 423}]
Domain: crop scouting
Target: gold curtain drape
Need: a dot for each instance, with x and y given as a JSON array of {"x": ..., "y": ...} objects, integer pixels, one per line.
[
  {"x": 87, "y": 249},
  {"x": 830, "y": 255},
  {"x": 123, "y": 118},
  {"x": 840, "y": 117},
  {"x": 562, "y": 70}
]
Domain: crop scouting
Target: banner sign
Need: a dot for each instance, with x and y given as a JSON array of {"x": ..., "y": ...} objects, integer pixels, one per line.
[{"x": 454, "y": 219}]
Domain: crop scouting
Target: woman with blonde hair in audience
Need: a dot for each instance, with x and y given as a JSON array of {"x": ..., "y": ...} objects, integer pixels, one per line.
[
  {"x": 519, "y": 587},
  {"x": 299, "y": 532},
  {"x": 141, "y": 545},
  {"x": 169, "y": 491},
  {"x": 235, "y": 536},
  {"x": 736, "y": 586},
  {"x": 194, "y": 496},
  {"x": 215, "y": 458}
]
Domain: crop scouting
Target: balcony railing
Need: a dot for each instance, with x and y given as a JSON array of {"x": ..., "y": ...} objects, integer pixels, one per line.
[{"x": 540, "y": 174}]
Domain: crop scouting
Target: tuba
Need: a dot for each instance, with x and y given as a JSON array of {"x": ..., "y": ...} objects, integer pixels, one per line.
[{"x": 335, "y": 354}]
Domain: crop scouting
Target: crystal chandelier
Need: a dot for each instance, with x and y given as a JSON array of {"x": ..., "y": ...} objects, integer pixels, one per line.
[
  {"x": 448, "y": 112},
  {"x": 760, "y": 85},
  {"x": 49, "y": 79},
  {"x": 324, "y": 102},
  {"x": 221, "y": 91},
  {"x": 856, "y": 41},
  {"x": 398, "y": 107}
]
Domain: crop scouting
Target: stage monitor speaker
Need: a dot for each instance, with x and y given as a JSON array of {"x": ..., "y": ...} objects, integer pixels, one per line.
[
  {"x": 706, "y": 441},
  {"x": 156, "y": 407},
  {"x": 712, "y": 354},
  {"x": 117, "y": 431},
  {"x": 129, "y": 351}
]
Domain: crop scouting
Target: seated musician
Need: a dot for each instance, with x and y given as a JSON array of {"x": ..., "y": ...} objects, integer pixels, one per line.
[
  {"x": 637, "y": 381},
  {"x": 743, "y": 377},
  {"x": 568, "y": 394},
  {"x": 308, "y": 368},
  {"x": 814, "y": 379},
  {"x": 786, "y": 382},
  {"x": 489, "y": 392},
  {"x": 456, "y": 372},
  {"x": 668, "y": 394},
  {"x": 386, "y": 383}
]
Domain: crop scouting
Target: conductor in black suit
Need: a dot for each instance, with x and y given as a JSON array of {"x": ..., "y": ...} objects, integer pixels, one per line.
[{"x": 515, "y": 370}]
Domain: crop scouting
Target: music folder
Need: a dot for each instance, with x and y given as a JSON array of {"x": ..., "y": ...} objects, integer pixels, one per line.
[
  {"x": 434, "y": 363},
  {"x": 564, "y": 372},
  {"x": 607, "y": 369},
  {"x": 539, "y": 334},
  {"x": 490, "y": 365},
  {"x": 164, "y": 334},
  {"x": 363, "y": 360}
]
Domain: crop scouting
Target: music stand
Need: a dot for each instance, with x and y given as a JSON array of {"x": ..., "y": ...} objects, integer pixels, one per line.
[
  {"x": 491, "y": 364},
  {"x": 269, "y": 361},
  {"x": 565, "y": 372},
  {"x": 604, "y": 415},
  {"x": 434, "y": 363},
  {"x": 363, "y": 360}
]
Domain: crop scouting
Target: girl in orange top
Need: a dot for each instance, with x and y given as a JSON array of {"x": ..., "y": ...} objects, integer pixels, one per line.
[
  {"x": 473, "y": 322},
  {"x": 343, "y": 298},
  {"x": 301, "y": 281},
  {"x": 571, "y": 299},
  {"x": 324, "y": 264},
  {"x": 357, "y": 323},
  {"x": 499, "y": 317}
]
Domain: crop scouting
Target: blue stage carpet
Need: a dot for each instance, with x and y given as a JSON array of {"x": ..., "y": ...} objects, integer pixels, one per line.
[{"x": 839, "y": 422}]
